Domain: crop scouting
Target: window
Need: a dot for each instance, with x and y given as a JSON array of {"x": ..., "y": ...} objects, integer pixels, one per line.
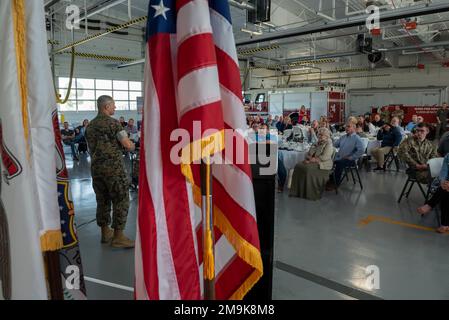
[
  {"x": 86, "y": 105},
  {"x": 103, "y": 84},
  {"x": 85, "y": 93},
  {"x": 121, "y": 95},
  {"x": 121, "y": 85}
]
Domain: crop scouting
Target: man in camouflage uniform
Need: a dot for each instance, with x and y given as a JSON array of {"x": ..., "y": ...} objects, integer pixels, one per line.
[
  {"x": 398, "y": 113},
  {"x": 442, "y": 116},
  {"x": 106, "y": 139},
  {"x": 385, "y": 115},
  {"x": 416, "y": 151}
]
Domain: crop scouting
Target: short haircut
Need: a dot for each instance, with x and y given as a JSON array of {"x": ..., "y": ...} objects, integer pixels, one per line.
[
  {"x": 130, "y": 119},
  {"x": 103, "y": 101},
  {"x": 423, "y": 125}
]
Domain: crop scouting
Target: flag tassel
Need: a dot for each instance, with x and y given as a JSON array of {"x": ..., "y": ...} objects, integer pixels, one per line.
[{"x": 208, "y": 242}]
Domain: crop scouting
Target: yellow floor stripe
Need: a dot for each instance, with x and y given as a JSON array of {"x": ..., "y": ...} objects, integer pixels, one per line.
[{"x": 371, "y": 218}]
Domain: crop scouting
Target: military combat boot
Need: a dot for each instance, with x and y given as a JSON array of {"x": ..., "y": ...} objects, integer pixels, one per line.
[
  {"x": 121, "y": 241},
  {"x": 106, "y": 234}
]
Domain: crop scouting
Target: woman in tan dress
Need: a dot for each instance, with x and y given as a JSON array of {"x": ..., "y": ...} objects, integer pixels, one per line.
[{"x": 310, "y": 177}]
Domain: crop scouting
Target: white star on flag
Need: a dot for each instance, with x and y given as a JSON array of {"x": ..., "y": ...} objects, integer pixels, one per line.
[{"x": 161, "y": 10}]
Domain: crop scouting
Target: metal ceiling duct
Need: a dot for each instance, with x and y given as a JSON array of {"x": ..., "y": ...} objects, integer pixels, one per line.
[{"x": 416, "y": 10}]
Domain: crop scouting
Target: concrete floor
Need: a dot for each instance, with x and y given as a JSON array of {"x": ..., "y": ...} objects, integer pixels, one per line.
[{"x": 321, "y": 249}]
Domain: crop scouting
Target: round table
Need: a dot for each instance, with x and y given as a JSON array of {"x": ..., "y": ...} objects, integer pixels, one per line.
[{"x": 292, "y": 158}]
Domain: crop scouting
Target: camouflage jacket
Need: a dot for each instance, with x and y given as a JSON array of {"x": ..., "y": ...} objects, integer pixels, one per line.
[
  {"x": 102, "y": 136},
  {"x": 385, "y": 116},
  {"x": 399, "y": 114},
  {"x": 413, "y": 152}
]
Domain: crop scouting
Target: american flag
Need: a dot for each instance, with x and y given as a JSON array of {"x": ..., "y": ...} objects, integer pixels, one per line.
[{"x": 192, "y": 74}]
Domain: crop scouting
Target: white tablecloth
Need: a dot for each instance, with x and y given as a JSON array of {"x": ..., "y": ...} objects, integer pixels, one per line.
[{"x": 292, "y": 158}]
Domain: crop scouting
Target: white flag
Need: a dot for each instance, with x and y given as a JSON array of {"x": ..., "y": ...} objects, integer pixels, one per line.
[{"x": 28, "y": 180}]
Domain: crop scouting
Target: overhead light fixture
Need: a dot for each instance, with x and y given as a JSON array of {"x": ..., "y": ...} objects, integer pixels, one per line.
[
  {"x": 257, "y": 33},
  {"x": 269, "y": 24},
  {"x": 422, "y": 51}
]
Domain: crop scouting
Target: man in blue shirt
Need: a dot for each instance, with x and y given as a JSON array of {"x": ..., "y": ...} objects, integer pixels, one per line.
[
  {"x": 351, "y": 148},
  {"x": 391, "y": 138},
  {"x": 411, "y": 125}
]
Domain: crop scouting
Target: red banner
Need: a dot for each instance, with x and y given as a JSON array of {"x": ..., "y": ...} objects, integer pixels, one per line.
[{"x": 427, "y": 112}]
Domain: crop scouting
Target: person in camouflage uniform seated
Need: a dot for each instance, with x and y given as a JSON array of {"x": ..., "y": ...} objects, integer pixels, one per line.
[
  {"x": 106, "y": 139},
  {"x": 416, "y": 151},
  {"x": 398, "y": 113},
  {"x": 385, "y": 115}
]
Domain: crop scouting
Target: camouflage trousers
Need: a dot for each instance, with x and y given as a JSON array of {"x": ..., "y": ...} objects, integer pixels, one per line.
[{"x": 112, "y": 191}]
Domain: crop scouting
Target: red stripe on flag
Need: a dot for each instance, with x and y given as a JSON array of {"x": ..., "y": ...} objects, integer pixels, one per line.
[
  {"x": 231, "y": 278},
  {"x": 229, "y": 73},
  {"x": 196, "y": 52},
  {"x": 147, "y": 229},
  {"x": 175, "y": 194},
  {"x": 181, "y": 3},
  {"x": 209, "y": 115},
  {"x": 242, "y": 221}
]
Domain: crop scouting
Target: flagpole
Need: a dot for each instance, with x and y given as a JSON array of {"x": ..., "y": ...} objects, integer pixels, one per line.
[
  {"x": 54, "y": 275},
  {"x": 208, "y": 230}
]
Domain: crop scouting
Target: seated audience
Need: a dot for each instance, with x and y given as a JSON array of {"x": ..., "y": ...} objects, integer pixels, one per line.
[
  {"x": 274, "y": 122},
  {"x": 443, "y": 147},
  {"x": 69, "y": 139},
  {"x": 371, "y": 128},
  {"x": 378, "y": 122},
  {"x": 122, "y": 122},
  {"x": 280, "y": 125},
  {"x": 361, "y": 122},
  {"x": 391, "y": 138},
  {"x": 441, "y": 197},
  {"x": 396, "y": 123},
  {"x": 353, "y": 120},
  {"x": 420, "y": 120},
  {"x": 360, "y": 132},
  {"x": 310, "y": 177},
  {"x": 411, "y": 125},
  {"x": 132, "y": 132},
  {"x": 351, "y": 148},
  {"x": 416, "y": 151},
  {"x": 312, "y": 133},
  {"x": 304, "y": 121},
  {"x": 80, "y": 133}
]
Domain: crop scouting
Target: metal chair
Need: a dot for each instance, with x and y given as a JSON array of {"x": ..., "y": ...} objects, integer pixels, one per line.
[
  {"x": 354, "y": 171},
  {"x": 391, "y": 157},
  {"x": 411, "y": 180}
]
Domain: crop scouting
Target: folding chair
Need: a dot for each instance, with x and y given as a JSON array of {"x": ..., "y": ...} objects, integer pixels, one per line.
[
  {"x": 364, "y": 159},
  {"x": 411, "y": 180},
  {"x": 354, "y": 171},
  {"x": 391, "y": 157}
]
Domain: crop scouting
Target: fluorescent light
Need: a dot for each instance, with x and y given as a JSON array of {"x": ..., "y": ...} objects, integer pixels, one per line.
[
  {"x": 269, "y": 24},
  {"x": 257, "y": 33}
]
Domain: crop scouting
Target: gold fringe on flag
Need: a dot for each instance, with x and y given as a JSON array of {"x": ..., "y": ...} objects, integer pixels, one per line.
[
  {"x": 51, "y": 240},
  {"x": 246, "y": 251},
  {"x": 200, "y": 149},
  {"x": 18, "y": 7}
]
